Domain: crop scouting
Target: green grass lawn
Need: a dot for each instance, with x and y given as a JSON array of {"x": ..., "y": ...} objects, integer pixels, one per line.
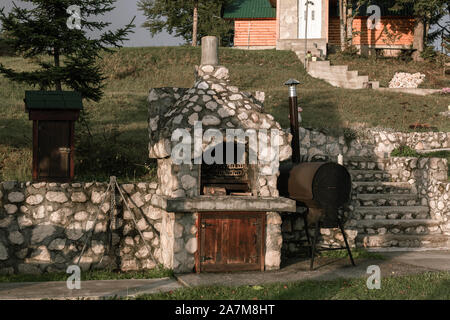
[
  {"x": 415, "y": 287},
  {"x": 118, "y": 123},
  {"x": 357, "y": 253},
  {"x": 158, "y": 272}
]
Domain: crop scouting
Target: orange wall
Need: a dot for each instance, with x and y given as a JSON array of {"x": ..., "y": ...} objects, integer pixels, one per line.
[
  {"x": 333, "y": 31},
  {"x": 263, "y": 32},
  {"x": 398, "y": 25}
]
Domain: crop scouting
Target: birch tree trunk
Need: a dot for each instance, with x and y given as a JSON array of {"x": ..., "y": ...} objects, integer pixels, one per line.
[
  {"x": 419, "y": 36},
  {"x": 343, "y": 22},
  {"x": 349, "y": 27},
  {"x": 194, "y": 24}
]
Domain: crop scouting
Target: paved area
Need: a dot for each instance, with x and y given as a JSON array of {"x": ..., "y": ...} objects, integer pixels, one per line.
[
  {"x": 416, "y": 91},
  {"x": 394, "y": 264},
  {"x": 431, "y": 260},
  {"x": 95, "y": 289}
]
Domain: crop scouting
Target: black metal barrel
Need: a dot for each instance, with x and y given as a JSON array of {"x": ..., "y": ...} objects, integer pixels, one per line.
[{"x": 318, "y": 185}]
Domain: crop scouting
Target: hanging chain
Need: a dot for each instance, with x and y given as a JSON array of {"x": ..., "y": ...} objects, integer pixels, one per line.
[
  {"x": 112, "y": 188},
  {"x": 135, "y": 223},
  {"x": 112, "y": 218},
  {"x": 93, "y": 225}
]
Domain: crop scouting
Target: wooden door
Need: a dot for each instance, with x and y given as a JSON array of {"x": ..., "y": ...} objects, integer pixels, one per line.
[
  {"x": 314, "y": 27},
  {"x": 231, "y": 241},
  {"x": 54, "y": 148}
]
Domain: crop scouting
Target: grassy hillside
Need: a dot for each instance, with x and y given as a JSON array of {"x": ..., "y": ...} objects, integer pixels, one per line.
[
  {"x": 383, "y": 69},
  {"x": 116, "y": 140}
]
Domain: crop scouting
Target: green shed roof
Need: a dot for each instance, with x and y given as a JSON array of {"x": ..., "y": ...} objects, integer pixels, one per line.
[
  {"x": 244, "y": 9},
  {"x": 55, "y": 100}
]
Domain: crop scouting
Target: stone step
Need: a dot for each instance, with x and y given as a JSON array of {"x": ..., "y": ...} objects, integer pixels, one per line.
[
  {"x": 403, "y": 241},
  {"x": 319, "y": 64},
  {"x": 392, "y": 212},
  {"x": 330, "y": 75},
  {"x": 391, "y": 199},
  {"x": 369, "y": 175},
  {"x": 383, "y": 187},
  {"x": 312, "y": 45},
  {"x": 301, "y": 54},
  {"x": 352, "y": 73},
  {"x": 352, "y": 84},
  {"x": 364, "y": 79},
  {"x": 375, "y": 84},
  {"x": 398, "y": 226},
  {"x": 327, "y": 70},
  {"x": 339, "y": 69},
  {"x": 354, "y": 164}
]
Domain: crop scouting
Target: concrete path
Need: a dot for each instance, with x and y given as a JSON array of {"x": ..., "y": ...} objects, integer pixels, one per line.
[
  {"x": 95, "y": 289},
  {"x": 395, "y": 264},
  {"x": 432, "y": 260},
  {"x": 416, "y": 91}
]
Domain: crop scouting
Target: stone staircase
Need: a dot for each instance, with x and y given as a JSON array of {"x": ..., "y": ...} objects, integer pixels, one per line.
[
  {"x": 339, "y": 76},
  {"x": 315, "y": 50},
  {"x": 390, "y": 214}
]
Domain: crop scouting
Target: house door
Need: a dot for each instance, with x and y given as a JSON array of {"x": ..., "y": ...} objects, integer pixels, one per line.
[
  {"x": 54, "y": 150},
  {"x": 314, "y": 28}
]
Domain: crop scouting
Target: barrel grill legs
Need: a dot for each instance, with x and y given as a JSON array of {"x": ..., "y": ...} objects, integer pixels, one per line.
[
  {"x": 308, "y": 238},
  {"x": 313, "y": 252},
  {"x": 346, "y": 242},
  {"x": 316, "y": 236}
]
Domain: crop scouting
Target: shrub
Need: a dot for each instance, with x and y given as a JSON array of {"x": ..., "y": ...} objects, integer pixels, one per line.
[
  {"x": 349, "y": 136},
  {"x": 404, "y": 151},
  {"x": 429, "y": 53},
  {"x": 350, "y": 51}
]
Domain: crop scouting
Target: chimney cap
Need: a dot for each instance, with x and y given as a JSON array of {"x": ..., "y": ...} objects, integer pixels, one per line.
[{"x": 292, "y": 82}]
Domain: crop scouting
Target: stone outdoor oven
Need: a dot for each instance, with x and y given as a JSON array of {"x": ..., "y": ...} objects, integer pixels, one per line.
[{"x": 217, "y": 216}]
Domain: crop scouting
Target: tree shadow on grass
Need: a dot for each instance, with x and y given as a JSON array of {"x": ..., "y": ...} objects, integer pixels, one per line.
[{"x": 440, "y": 292}]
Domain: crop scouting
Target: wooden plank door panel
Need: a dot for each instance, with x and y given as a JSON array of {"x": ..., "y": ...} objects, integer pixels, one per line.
[
  {"x": 54, "y": 149},
  {"x": 231, "y": 241}
]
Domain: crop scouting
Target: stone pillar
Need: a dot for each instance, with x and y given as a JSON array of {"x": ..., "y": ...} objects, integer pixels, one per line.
[
  {"x": 274, "y": 241},
  {"x": 210, "y": 46}
]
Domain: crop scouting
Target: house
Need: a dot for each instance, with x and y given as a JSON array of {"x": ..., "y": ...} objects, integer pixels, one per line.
[{"x": 263, "y": 24}]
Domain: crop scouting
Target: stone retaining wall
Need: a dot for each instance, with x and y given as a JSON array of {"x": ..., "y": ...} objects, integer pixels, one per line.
[
  {"x": 43, "y": 227},
  {"x": 439, "y": 195},
  {"x": 368, "y": 143}
]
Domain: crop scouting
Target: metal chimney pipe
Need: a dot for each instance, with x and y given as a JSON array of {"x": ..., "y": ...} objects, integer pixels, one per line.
[{"x": 293, "y": 113}]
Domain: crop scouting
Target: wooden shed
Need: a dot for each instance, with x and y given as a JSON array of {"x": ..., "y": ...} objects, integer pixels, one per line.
[
  {"x": 53, "y": 114},
  {"x": 261, "y": 24},
  {"x": 255, "y": 23}
]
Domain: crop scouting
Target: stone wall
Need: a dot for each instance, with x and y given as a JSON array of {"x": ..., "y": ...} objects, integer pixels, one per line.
[
  {"x": 43, "y": 227},
  {"x": 439, "y": 195},
  {"x": 368, "y": 143}
]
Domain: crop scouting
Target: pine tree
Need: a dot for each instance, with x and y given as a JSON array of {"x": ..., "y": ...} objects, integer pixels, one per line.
[
  {"x": 43, "y": 31},
  {"x": 426, "y": 13},
  {"x": 189, "y": 19}
]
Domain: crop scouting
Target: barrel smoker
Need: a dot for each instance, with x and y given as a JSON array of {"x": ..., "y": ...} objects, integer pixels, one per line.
[{"x": 322, "y": 187}]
